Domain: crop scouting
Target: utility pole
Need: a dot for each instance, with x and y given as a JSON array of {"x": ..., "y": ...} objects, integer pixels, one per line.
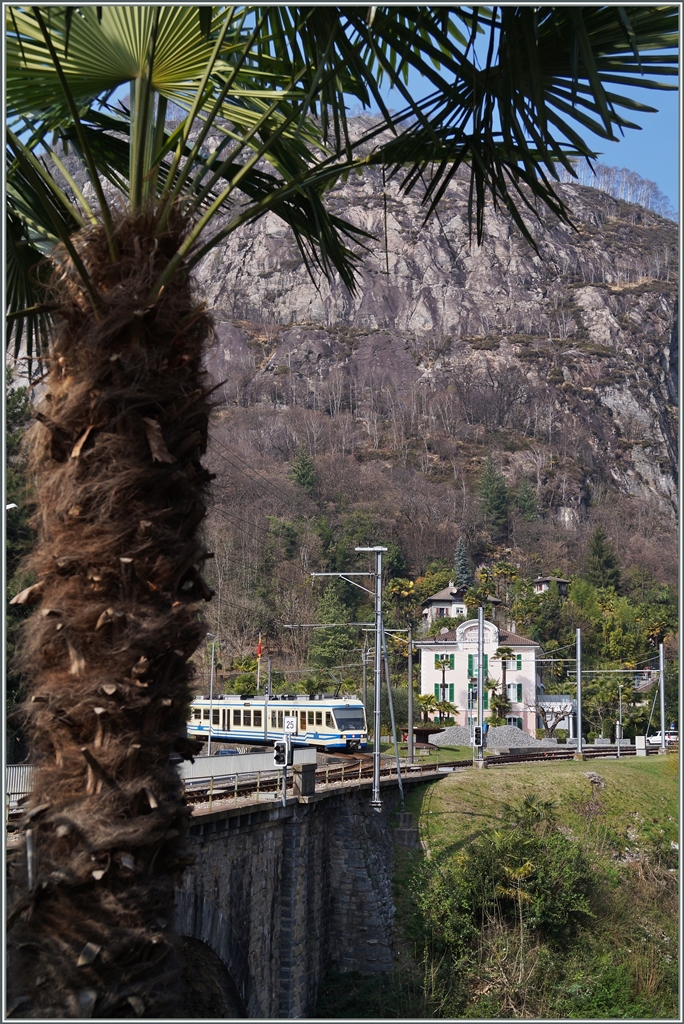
[
  {"x": 578, "y": 654},
  {"x": 619, "y": 728},
  {"x": 663, "y": 742},
  {"x": 410, "y": 695},
  {"x": 210, "y": 636},
  {"x": 391, "y": 707},
  {"x": 377, "y": 550}
]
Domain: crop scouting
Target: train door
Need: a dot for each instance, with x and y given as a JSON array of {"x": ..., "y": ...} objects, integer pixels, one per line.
[
  {"x": 226, "y": 719},
  {"x": 302, "y": 721}
]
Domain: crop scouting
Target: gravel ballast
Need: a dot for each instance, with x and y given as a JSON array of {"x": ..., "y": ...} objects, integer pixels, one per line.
[{"x": 499, "y": 736}]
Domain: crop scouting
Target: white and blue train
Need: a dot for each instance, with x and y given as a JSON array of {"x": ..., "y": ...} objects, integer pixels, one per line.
[{"x": 330, "y": 723}]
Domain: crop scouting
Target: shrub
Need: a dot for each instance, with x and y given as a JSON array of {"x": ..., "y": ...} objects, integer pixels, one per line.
[
  {"x": 526, "y": 868},
  {"x": 591, "y": 736}
]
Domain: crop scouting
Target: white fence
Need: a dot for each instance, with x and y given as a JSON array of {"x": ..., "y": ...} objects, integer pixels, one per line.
[
  {"x": 221, "y": 766},
  {"x": 19, "y": 780}
]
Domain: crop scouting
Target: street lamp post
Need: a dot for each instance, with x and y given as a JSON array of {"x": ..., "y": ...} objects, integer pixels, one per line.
[{"x": 210, "y": 636}]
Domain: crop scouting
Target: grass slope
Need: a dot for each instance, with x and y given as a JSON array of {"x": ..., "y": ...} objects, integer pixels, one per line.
[{"x": 619, "y": 964}]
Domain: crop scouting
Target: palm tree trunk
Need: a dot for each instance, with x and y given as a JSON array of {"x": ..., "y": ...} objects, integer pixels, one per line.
[{"x": 116, "y": 453}]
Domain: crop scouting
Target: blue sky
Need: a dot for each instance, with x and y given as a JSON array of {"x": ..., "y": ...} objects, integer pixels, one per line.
[{"x": 652, "y": 152}]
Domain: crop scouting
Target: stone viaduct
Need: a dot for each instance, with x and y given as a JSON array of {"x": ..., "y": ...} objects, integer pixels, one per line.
[{"x": 282, "y": 893}]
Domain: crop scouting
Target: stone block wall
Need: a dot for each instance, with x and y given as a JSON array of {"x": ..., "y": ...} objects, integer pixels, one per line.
[{"x": 281, "y": 893}]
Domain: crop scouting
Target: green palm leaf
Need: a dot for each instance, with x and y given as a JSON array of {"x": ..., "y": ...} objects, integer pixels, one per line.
[{"x": 275, "y": 84}]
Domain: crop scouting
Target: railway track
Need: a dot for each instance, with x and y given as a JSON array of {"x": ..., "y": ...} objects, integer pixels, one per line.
[
  {"x": 358, "y": 768},
  {"x": 343, "y": 770}
]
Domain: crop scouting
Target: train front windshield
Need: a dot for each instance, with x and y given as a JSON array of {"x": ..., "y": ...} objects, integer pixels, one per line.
[{"x": 350, "y": 719}]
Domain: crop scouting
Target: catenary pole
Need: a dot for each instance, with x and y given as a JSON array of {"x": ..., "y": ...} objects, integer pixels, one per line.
[
  {"x": 480, "y": 673},
  {"x": 377, "y": 551},
  {"x": 578, "y": 642},
  {"x": 663, "y": 742},
  {"x": 410, "y": 695}
]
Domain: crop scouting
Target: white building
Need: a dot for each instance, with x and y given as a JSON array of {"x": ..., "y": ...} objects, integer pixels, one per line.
[
  {"x": 450, "y": 604},
  {"x": 459, "y": 646}
]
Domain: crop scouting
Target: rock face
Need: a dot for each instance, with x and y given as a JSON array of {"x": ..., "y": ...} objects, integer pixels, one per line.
[
  {"x": 565, "y": 359},
  {"x": 569, "y": 352}
]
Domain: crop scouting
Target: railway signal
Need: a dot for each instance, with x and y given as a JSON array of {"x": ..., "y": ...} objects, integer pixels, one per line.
[
  {"x": 280, "y": 753},
  {"x": 478, "y": 736}
]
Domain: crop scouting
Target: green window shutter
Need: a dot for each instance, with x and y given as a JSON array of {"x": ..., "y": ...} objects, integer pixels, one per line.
[
  {"x": 518, "y": 662},
  {"x": 519, "y": 698},
  {"x": 437, "y": 664},
  {"x": 451, "y": 691},
  {"x": 486, "y": 666},
  {"x": 485, "y": 702},
  {"x": 470, "y": 666},
  {"x": 451, "y": 662},
  {"x": 520, "y": 723},
  {"x": 437, "y": 690}
]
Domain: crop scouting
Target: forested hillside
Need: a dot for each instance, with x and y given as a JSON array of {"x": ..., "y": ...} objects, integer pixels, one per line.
[{"x": 511, "y": 398}]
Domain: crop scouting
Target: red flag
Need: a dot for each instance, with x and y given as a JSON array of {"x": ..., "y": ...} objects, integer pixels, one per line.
[{"x": 259, "y": 648}]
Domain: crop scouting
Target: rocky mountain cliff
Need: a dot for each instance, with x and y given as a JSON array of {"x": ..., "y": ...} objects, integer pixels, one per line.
[{"x": 562, "y": 362}]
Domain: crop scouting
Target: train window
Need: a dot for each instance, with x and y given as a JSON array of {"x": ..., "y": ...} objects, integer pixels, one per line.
[
  {"x": 206, "y": 714},
  {"x": 319, "y": 718},
  {"x": 311, "y": 718},
  {"x": 302, "y": 721},
  {"x": 350, "y": 718},
  {"x": 328, "y": 719},
  {"x": 257, "y": 719},
  {"x": 280, "y": 719},
  {"x": 247, "y": 718},
  {"x": 215, "y": 716},
  {"x": 197, "y": 714},
  {"x": 237, "y": 715},
  {"x": 273, "y": 719}
]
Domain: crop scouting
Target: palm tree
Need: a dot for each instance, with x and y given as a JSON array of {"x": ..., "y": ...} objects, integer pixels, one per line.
[
  {"x": 100, "y": 290},
  {"x": 444, "y": 708},
  {"x": 428, "y": 705}
]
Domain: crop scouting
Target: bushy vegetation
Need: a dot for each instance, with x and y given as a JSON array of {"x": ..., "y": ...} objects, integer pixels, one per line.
[{"x": 524, "y": 907}]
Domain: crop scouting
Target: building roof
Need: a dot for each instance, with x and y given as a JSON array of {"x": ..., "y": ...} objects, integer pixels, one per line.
[
  {"x": 506, "y": 639},
  {"x": 448, "y": 594},
  {"x": 453, "y": 593},
  {"x": 549, "y": 579}
]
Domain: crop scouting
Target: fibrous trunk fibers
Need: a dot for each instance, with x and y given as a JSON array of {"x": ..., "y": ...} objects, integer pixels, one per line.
[{"x": 116, "y": 457}]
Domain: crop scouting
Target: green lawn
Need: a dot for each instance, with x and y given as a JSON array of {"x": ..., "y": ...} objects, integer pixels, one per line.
[{"x": 640, "y": 799}]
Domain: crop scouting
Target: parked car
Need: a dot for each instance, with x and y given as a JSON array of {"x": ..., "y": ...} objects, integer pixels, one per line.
[{"x": 671, "y": 738}]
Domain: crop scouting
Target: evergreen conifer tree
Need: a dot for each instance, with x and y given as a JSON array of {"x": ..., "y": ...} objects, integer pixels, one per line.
[
  {"x": 602, "y": 567},
  {"x": 329, "y": 647},
  {"x": 464, "y": 576},
  {"x": 526, "y": 501},
  {"x": 495, "y": 500},
  {"x": 303, "y": 471}
]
